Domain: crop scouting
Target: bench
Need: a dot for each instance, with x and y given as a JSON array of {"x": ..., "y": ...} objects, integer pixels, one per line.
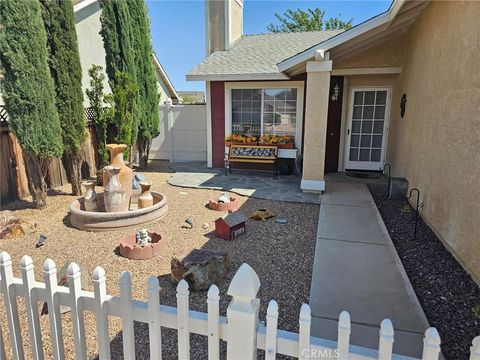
[{"x": 258, "y": 154}]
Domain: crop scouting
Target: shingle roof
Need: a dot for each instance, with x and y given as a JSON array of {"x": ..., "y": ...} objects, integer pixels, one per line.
[{"x": 259, "y": 54}]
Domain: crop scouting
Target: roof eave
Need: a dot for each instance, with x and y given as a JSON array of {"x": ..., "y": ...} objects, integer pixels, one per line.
[
  {"x": 360, "y": 29},
  {"x": 166, "y": 80},
  {"x": 237, "y": 77}
]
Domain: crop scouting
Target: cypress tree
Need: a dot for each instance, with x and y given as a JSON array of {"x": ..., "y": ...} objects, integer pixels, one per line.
[
  {"x": 28, "y": 90},
  {"x": 148, "y": 112},
  {"x": 101, "y": 115},
  {"x": 65, "y": 69},
  {"x": 116, "y": 32}
]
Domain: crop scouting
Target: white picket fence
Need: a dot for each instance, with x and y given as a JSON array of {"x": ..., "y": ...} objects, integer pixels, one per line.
[{"x": 241, "y": 328}]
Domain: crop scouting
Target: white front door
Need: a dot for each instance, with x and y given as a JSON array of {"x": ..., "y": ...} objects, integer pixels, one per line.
[{"x": 367, "y": 128}]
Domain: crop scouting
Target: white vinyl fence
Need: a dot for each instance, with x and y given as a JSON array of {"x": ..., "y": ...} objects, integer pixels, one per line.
[
  {"x": 241, "y": 328},
  {"x": 183, "y": 133}
]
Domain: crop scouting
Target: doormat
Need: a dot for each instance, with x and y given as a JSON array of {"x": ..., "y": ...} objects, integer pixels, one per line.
[{"x": 364, "y": 175}]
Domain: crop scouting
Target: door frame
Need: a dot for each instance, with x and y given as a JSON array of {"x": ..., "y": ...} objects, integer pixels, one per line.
[{"x": 348, "y": 122}]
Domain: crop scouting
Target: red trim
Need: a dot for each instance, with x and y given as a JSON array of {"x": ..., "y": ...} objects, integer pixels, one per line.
[{"x": 217, "y": 99}]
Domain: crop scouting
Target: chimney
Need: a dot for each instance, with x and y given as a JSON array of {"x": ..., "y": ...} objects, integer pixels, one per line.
[{"x": 224, "y": 23}]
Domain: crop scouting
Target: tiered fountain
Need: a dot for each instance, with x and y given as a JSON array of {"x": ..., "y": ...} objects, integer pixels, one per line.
[{"x": 116, "y": 207}]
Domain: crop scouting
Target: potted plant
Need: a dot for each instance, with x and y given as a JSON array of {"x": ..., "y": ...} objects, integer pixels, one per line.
[
  {"x": 240, "y": 140},
  {"x": 283, "y": 142}
]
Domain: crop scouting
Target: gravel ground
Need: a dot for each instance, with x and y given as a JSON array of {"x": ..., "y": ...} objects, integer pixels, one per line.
[
  {"x": 282, "y": 256},
  {"x": 446, "y": 292}
]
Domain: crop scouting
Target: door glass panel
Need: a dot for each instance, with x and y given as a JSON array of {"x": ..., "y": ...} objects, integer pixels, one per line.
[
  {"x": 357, "y": 112},
  {"x": 364, "y": 154},
  {"x": 353, "y": 155},
  {"x": 369, "y": 97},
  {"x": 368, "y": 112},
  {"x": 381, "y": 98},
  {"x": 379, "y": 112},
  {"x": 368, "y": 115},
  {"x": 376, "y": 153},
  {"x": 378, "y": 127},
  {"x": 377, "y": 141},
  {"x": 358, "y": 98},
  {"x": 355, "y": 141},
  {"x": 356, "y": 126},
  {"x": 367, "y": 127},
  {"x": 366, "y": 140}
]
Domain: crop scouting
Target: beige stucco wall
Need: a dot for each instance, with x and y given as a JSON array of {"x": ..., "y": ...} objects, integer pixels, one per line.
[
  {"x": 316, "y": 110},
  {"x": 90, "y": 44},
  {"x": 236, "y": 19},
  {"x": 436, "y": 146},
  {"x": 388, "y": 53}
]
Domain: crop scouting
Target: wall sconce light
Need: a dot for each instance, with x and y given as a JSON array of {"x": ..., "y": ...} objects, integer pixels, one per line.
[
  {"x": 403, "y": 105},
  {"x": 336, "y": 92}
]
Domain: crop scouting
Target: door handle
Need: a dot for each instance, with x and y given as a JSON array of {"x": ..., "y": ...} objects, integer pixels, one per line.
[{"x": 348, "y": 132}]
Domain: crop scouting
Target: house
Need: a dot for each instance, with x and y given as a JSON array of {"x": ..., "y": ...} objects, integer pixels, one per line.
[
  {"x": 230, "y": 226},
  {"x": 90, "y": 46},
  {"x": 401, "y": 88}
]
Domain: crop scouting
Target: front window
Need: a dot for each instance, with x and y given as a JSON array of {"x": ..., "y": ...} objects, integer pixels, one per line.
[{"x": 259, "y": 112}]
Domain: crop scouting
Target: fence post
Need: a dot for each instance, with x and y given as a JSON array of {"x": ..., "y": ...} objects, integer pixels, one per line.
[
  {"x": 101, "y": 312},
  {"x": 28, "y": 278},
  {"x": 385, "y": 345},
  {"x": 154, "y": 328},
  {"x": 305, "y": 322},
  {"x": 51, "y": 285},
  {"x": 475, "y": 349},
  {"x": 213, "y": 302},
  {"x": 75, "y": 287},
  {"x": 128, "y": 333},
  {"x": 183, "y": 320},
  {"x": 343, "y": 342},
  {"x": 242, "y": 314},
  {"x": 271, "y": 336},
  {"x": 10, "y": 300},
  {"x": 431, "y": 344}
]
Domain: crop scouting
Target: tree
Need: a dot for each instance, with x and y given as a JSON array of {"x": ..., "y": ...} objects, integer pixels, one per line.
[
  {"x": 100, "y": 114},
  {"x": 147, "y": 106},
  {"x": 65, "y": 69},
  {"x": 124, "y": 101},
  {"x": 28, "y": 90},
  {"x": 310, "y": 20}
]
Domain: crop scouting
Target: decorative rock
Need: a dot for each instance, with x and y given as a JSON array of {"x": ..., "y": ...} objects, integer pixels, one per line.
[
  {"x": 188, "y": 223},
  {"x": 13, "y": 227},
  {"x": 205, "y": 226},
  {"x": 130, "y": 249},
  {"x": 200, "y": 268}
]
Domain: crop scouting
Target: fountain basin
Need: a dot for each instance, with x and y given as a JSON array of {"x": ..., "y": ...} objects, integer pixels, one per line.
[
  {"x": 130, "y": 249},
  {"x": 104, "y": 221}
]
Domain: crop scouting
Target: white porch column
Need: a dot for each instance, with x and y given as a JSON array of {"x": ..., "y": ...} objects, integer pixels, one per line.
[{"x": 316, "y": 111}]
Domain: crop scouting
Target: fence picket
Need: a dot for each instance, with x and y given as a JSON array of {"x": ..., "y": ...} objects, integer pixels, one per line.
[
  {"x": 385, "y": 345},
  {"x": 240, "y": 328},
  {"x": 75, "y": 287},
  {"x": 11, "y": 309},
  {"x": 475, "y": 349},
  {"x": 126, "y": 305},
  {"x": 154, "y": 328},
  {"x": 343, "y": 341},
  {"x": 271, "y": 336},
  {"x": 28, "y": 278},
  {"x": 213, "y": 309},
  {"x": 431, "y": 344},
  {"x": 51, "y": 285},
  {"x": 183, "y": 321},
  {"x": 304, "y": 332},
  {"x": 101, "y": 312}
]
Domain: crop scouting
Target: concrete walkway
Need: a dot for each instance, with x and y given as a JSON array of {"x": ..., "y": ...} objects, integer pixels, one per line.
[
  {"x": 357, "y": 269},
  {"x": 243, "y": 182}
]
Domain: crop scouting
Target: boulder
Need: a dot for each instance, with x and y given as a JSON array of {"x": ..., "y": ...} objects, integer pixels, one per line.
[
  {"x": 13, "y": 227},
  {"x": 200, "y": 268}
]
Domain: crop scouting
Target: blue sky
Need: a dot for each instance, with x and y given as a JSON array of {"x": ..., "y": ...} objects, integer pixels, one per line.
[{"x": 178, "y": 28}]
